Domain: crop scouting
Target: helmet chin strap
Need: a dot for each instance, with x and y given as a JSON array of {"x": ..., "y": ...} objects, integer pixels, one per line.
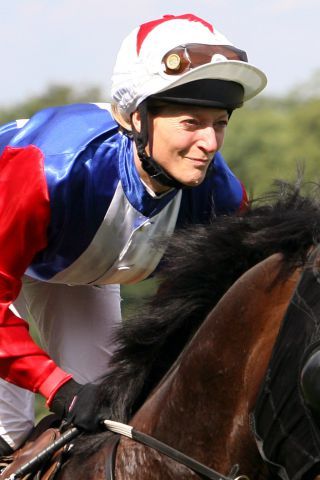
[{"x": 153, "y": 169}]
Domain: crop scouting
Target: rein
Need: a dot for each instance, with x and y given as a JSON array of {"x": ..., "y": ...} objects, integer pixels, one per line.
[
  {"x": 127, "y": 431},
  {"x": 197, "y": 467}
]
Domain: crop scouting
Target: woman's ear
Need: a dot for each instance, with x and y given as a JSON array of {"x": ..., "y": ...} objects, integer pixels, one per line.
[
  {"x": 136, "y": 121},
  {"x": 123, "y": 121}
]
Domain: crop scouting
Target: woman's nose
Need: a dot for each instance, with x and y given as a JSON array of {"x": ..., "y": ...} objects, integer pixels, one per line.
[{"x": 209, "y": 140}]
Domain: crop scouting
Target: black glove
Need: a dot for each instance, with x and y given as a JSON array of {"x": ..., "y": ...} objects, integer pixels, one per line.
[{"x": 79, "y": 405}]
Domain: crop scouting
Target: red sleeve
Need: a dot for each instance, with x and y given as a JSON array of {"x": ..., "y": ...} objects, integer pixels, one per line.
[{"x": 24, "y": 217}]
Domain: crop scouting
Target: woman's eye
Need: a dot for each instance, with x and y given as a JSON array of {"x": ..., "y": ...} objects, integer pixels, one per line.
[
  {"x": 197, "y": 123},
  {"x": 221, "y": 124},
  {"x": 191, "y": 122}
]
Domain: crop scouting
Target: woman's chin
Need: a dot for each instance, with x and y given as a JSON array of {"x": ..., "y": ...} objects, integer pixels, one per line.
[{"x": 192, "y": 182}]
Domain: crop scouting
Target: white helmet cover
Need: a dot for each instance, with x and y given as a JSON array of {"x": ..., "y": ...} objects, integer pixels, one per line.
[{"x": 139, "y": 72}]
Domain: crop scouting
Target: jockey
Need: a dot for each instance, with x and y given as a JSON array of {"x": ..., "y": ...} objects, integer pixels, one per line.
[{"x": 86, "y": 190}]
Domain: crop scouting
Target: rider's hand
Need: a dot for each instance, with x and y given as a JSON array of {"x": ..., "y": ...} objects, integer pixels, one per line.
[{"x": 79, "y": 405}]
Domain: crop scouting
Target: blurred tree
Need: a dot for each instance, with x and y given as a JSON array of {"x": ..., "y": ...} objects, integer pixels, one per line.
[
  {"x": 270, "y": 138},
  {"x": 53, "y": 96},
  {"x": 307, "y": 90}
]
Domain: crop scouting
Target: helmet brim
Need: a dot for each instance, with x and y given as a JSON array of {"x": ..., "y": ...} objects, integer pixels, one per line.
[{"x": 251, "y": 78}]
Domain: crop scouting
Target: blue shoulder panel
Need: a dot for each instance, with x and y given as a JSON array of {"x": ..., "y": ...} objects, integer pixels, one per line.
[{"x": 66, "y": 129}]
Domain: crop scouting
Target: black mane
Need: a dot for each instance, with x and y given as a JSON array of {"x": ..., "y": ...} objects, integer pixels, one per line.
[{"x": 202, "y": 262}]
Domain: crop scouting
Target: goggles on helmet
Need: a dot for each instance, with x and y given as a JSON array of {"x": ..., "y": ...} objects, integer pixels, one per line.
[{"x": 186, "y": 57}]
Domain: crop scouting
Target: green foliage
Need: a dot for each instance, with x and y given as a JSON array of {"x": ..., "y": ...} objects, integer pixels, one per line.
[
  {"x": 134, "y": 295},
  {"x": 54, "y": 96},
  {"x": 271, "y": 139}
]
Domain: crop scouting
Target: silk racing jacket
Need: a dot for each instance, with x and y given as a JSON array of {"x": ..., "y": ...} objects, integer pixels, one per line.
[{"x": 73, "y": 210}]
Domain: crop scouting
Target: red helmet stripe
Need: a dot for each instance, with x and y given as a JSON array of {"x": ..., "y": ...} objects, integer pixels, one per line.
[{"x": 146, "y": 28}]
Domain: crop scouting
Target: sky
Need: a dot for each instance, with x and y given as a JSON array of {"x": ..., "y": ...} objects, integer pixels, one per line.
[{"x": 75, "y": 42}]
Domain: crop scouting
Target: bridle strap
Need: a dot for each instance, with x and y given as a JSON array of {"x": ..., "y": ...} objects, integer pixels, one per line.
[{"x": 128, "y": 431}]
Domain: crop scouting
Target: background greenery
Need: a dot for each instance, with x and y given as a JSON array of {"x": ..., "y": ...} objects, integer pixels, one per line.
[{"x": 266, "y": 140}]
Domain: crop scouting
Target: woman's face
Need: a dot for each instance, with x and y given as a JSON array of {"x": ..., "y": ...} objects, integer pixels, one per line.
[{"x": 183, "y": 140}]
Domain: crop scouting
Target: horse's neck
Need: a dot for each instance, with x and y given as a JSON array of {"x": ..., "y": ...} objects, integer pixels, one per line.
[{"x": 213, "y": 386}]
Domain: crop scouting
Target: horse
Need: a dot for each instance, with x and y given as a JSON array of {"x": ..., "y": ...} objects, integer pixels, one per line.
[{"x": 189, "y": 367}]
